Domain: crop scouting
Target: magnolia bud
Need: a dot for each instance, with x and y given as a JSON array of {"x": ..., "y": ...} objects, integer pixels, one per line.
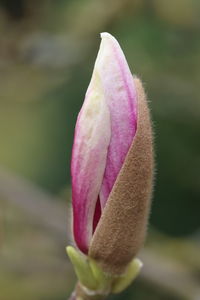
[{"x": 112, "y": 174}]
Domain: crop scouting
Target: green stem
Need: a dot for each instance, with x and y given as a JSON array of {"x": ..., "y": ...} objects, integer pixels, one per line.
[
  {"x": 94, "y": 283},
  {"x": 81, "y": 293}
]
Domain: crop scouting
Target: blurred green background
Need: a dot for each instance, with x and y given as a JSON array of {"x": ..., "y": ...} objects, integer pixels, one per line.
[{"x": 47, "y": 52}]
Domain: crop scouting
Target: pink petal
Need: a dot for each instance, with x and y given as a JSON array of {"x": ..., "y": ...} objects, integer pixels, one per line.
[
  {"x": 120, "y": 94},
  {"x": 104, "y": 132},
  {"x": 92, "y": 137}
]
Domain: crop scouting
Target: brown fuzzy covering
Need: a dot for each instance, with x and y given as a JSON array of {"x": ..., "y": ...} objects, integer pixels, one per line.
[{"x": 122, "y": 227}]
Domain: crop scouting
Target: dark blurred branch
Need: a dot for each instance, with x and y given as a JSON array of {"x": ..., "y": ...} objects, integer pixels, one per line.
[
  {"x": 163, "y": 272},
  {"x": 35, "y": 202},
  {"x": 169, "y": 275}
]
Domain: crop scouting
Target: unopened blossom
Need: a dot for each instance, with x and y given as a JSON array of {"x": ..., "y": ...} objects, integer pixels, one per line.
[{"x": 112, "y": 162}]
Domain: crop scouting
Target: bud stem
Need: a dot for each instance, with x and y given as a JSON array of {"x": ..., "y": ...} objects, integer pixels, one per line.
[
  {"x": 93, "y": 283},
  {"x": 80, "y": 293}
]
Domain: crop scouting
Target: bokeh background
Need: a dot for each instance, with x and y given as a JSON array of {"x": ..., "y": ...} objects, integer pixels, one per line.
[{"x": 47, "y": 52}]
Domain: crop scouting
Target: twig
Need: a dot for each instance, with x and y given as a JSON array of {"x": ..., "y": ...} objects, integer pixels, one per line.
[{"x": 34, "y": 201}]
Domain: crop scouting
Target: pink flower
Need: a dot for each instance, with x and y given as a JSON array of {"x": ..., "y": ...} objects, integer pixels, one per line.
[{"x": 104, "y": 132}]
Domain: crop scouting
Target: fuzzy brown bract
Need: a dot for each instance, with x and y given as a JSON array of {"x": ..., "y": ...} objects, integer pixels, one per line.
[{"x": 122, "y": 227}]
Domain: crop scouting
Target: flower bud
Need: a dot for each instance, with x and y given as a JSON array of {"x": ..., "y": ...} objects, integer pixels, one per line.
[{"x": 112, "y": 163}]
